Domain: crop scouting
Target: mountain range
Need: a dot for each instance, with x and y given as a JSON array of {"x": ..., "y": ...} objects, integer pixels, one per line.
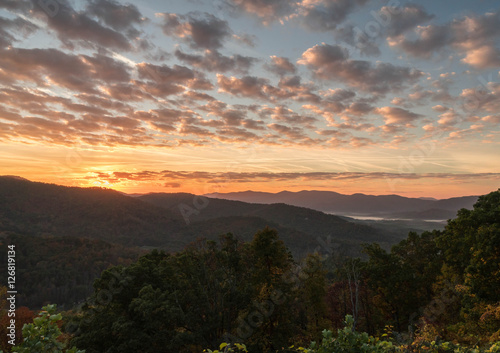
[
  {"x": 384, "y": 206},
  {"x": 65, "y": 236},
  {"x": 167, "y": 221}
]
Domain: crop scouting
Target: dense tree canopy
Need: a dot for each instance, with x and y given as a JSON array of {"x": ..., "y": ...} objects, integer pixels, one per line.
[{"x": 199, "y": 297}]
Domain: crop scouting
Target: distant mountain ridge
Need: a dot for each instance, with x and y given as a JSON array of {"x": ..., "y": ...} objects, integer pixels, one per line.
[
  {"x": 156, "y": 220},
  {"x": 83, "y": 230},
  {"x": 355, "y": 204},
  {"x": 47, "y": 209},
  {"x": 305, "y": 220}
]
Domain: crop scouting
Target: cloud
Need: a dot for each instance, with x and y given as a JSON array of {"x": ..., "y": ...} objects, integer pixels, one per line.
[
  {"x": 350, "y": 124},
  {"x": 245, "y": 177},
  {"x": 266, "y": 10},
  {"x": 449, "y": 117},
  {"x": 359, "y": 109},
  {"x": 197, "y": 96},
  {"x": 186, "y": 129},
  {"x": 38, "y": 102},
  {"x": 323, "y": 55},
  {"x": 292, "y": 87},
  {"x": 10, "y": 29},
  {"x": 163, "y": 80},
  {"x": 200, "y": 83},
  {"x": 288, "y": 116},
  {"x": 115, "y": 15},
  {"x": 358, "y": 142},
  {"x": 165, "y": 73},
  {"x": 77, "y": 28},
  {"x": 440, "y": 108},
  {"x": 47, "y": 67},
  {"x": 105, "y": 68},
  {"x": 473, "y": 36},
  {"x": 200, "y": 30},
  {"x": 462, "y": 134},
  {"x": 483, "y": 57},
  {"x": 355, "y": 37},
  {"x": 248, "y": 86},
  {"x": 247, "y": 39},
  {"x": 481, "y": 98},
  {"x": 15, "y": 5},
  {"x": 164, "y": 115},
  {"x": 92, "y": 126},
  {"x": 293, "y": 133},
  {"x": 88, "y": 92},
  {"x": 135, "y": 92},
  {"x": 172, "y": 185},
  {"x": 228, "y": 117},
  {"x": 253, "y": 124},
  {"x": 395, "y": 115},
  {"x": 331, "y": 62},
  {"x": 315, "y": 15},
  {"x": 103, "y": 103},
  {"x": 214, "y": 61},
  {"x": 342, "y": 102},
  {"x": 431, "y": 38},
  {"x": 251, "y": 87},
  {"x": 388, "y": 22},
  {"x": 332, "y": 132},
  {"x": 326, "y": 15},
  {"x": 338, "y": 94},
  {"x": 235, "y": 134},
  {"x": 280, "y": 66},
  {"x": 400, "y": 101},
  {"x": 401, "y": 20}
]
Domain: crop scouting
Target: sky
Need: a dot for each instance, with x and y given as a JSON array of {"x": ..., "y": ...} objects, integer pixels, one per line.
[{"x": 352, "y": 96}]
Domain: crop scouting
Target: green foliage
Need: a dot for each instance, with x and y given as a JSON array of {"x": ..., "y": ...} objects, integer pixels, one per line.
[
  {"x": 207, "y": 294},
  {"x": 43, "y": 335},
  {"x": 349, "y": 341},
  {"x": 228, "y": 348},
  {"x": 61, "y": 270},
  {"x": 312, "y": 294},
  {"x": 176, "y": 303},
  {"x": 449, "y": 279},
  {"x": 402, "y": 279},
  {"x": 470, "y": 245},
  {"x": 272, "y": 293}
]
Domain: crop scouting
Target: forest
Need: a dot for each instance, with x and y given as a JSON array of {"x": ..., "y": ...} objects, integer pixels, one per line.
[{"x": 436, "y": 291}]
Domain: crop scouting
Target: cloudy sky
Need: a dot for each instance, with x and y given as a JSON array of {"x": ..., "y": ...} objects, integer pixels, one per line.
[{"x": 379, "y": 97}]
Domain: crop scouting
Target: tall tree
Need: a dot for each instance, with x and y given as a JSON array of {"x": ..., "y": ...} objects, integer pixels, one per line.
[
  {"x": 470, "y": 245},
  {"x": 273, "y": 285},
  {"x": 311, "y": 297}
]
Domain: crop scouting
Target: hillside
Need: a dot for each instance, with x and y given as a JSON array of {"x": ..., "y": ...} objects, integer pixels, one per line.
[
  {"x": 356, "y": 204},
  {"x": 37, "y": 209},
  {"x": 314, "y": 223},
  {"x": 155, "y": 220},
  {"x": 60, "y": 270},
  {"x": 67, "y": 235}
]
